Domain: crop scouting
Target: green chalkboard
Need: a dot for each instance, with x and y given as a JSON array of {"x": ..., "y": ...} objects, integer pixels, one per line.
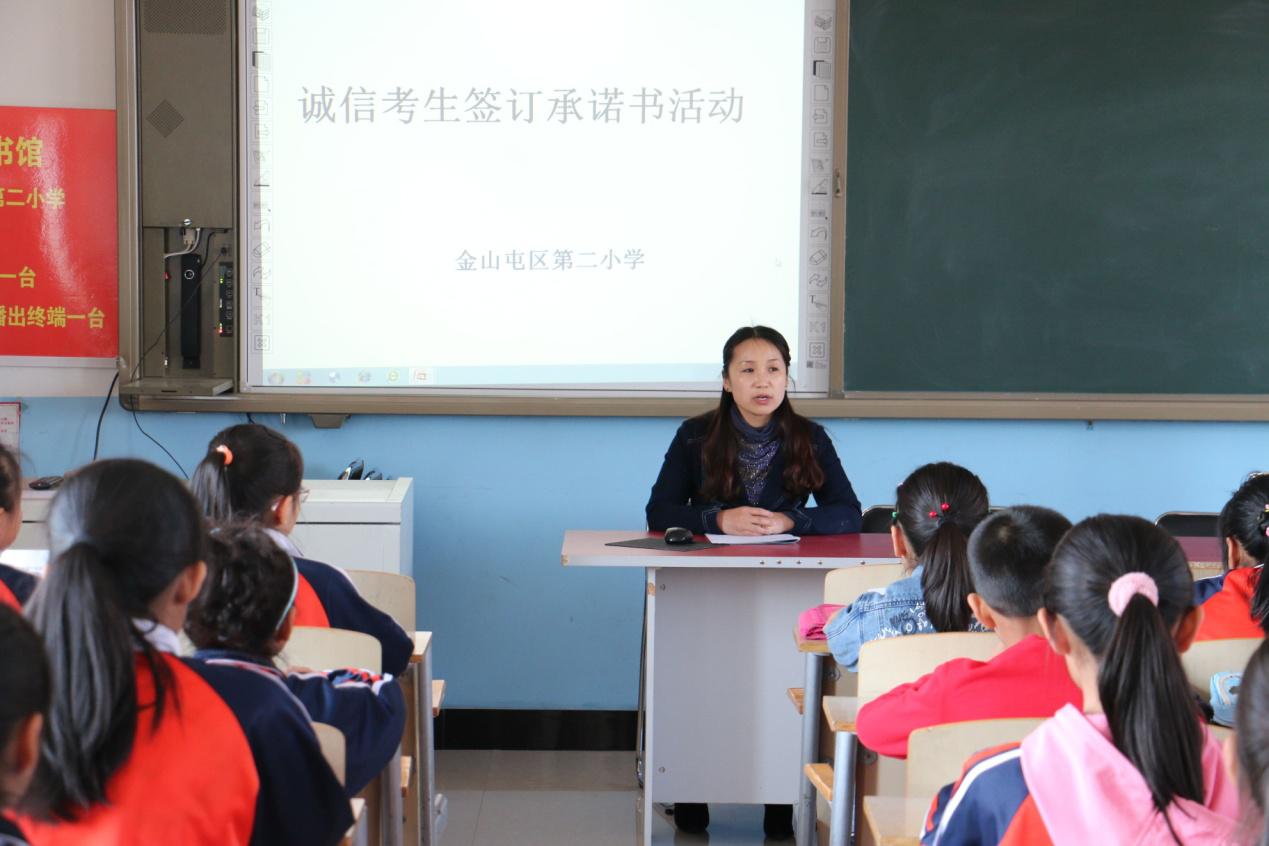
[{"x": 1058, "y": 196}]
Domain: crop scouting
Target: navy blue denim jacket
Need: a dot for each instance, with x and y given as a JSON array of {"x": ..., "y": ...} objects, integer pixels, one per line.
[
  {"x": 676, "y": 501},
  {"x": 893, "y": 611}
]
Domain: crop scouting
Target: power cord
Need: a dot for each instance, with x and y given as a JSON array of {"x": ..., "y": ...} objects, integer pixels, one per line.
[{"x": 198, "y": 286}]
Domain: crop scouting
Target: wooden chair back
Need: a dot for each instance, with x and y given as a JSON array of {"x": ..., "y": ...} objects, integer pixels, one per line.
[
  {"x": 391, "y": 593},
  {"x": 844, "y": 585},
  {"x": 1206, "y": 658},
  {"x": 937, "y": 754},
  {"x": 884, "y": 664},
  {"x": 333, "y": 746},
  {"x": 325, "y": 649}
]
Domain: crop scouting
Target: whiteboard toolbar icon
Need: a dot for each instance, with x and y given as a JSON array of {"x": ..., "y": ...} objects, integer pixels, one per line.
[{"x": 422, "y": 376}]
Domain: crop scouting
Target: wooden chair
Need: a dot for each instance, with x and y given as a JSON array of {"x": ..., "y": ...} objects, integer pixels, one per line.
[
  {"x": 1193, "y": 524},
  {"x": 321, "y": 649},
  {"x": 1206, "y": 658},
  {"x": 425, "y": 809},
  {"x": 937, "y": 754},
  {"x": 332, "y": 742},
  {"x": 841, "y": 587},
  {"x": 883, "y": 664},
  {"x": 325, "y": 649},
  {"x": 359, "y": 834}
]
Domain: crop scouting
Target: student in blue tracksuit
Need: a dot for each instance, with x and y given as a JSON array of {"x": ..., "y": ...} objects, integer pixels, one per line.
[
  {"x": 253, "y": 474},
  {"x": 23, "y": 708},
  {"x": 15, "y": 585},
  {"x": 243, "y": 619},
  {"x": 140, "y": 745}
]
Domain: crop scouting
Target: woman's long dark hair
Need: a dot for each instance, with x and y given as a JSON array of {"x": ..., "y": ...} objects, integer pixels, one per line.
[
  {"x": 249, "y": 579},
  {"x": 1245, "y": 518},
  {"x": 1251, "y": 724},
  {"x": 1143, "y": 690},
  {"x": 937, "y": 507},
  {"x": 121, "y": 532},
  {"x": 27, "y": 685},
  {"x": 721, "y": 448},
  {"x": 264, "y": 466}
]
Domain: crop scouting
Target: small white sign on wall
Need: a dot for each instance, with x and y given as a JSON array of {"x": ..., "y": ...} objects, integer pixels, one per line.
[{"x": 10, "y": 414}]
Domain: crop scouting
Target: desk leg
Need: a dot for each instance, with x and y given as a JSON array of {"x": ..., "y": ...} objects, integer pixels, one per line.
[
  {"x": 805, "y": 833},
  {"x": 431, "y": 804},
  {"x": 842, "y": 819},
  {"x": 644, "y": 828}
]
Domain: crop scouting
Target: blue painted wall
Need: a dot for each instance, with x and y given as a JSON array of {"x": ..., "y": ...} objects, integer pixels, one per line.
[{"x": 514, "y": 629}]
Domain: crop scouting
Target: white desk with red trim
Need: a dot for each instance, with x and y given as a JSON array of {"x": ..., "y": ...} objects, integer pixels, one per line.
[{"x": 718, "y": 661}]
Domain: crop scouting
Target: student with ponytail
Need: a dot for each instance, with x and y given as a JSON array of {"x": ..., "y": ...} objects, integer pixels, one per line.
[
  {"x": 142, "y": 746},
  {"x": 243, "y": 618},
  {"x": 23, "y": 708},
  {"x": 1137, "y": 765},
  {"x": 1252, "y": 738},
  {"x": 15, "y": 585},
  {"x": 1236, "y": 603},
  {"x": 252, "y": 474},
  {"x": 937, "y": 508}
]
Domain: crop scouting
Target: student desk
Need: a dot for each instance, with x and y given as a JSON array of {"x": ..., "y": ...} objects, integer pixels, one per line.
[{"x": 717, "y": 661}]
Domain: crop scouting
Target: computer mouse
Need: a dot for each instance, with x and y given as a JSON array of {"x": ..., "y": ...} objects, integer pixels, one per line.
[{"x": 677, "y": 536}]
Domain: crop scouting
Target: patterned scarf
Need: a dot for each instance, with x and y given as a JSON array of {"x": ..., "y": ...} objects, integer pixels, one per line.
[{"x": 758, "y": 448}]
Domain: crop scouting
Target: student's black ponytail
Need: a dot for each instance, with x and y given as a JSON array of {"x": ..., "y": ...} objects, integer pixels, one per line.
[
  {"x": 27, "y": 687},
  {"x": 938, "y": 506},
  {"x": 121, "y": 532},
  {"x": 1251, "y": 726},
  {"x": 1143, "y": 689},
  {"x": 1245, "y": 518},
  {"x": 247, "y": 468}
]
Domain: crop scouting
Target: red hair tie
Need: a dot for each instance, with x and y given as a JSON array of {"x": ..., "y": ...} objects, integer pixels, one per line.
[{"x": 226, "y": 452}]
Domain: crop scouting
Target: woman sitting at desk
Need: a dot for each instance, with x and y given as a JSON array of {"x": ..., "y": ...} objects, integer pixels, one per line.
[{"x": 748, "y": 468}]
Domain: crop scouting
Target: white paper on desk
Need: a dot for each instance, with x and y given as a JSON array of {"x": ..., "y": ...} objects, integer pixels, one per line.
[{"x": 745, "y": 540}]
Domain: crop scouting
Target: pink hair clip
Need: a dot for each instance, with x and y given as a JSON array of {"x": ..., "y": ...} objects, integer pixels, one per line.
[
  {"x": 226, "y": 452},
  {"x": 1129, "y": 585}
]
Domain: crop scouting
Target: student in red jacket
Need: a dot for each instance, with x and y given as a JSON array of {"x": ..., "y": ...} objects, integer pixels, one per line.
[
  {"x": 142, "y": 746},
  {"x": 252, "y": 474},
  {"x": 1008, "y": 553},
  {"x": 15, "y": 585},
  {"x": 23, "y": 707},
  {"x": 1236, "y": 603}
]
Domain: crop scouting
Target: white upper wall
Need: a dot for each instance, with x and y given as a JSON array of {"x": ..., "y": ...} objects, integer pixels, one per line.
[{"x": 56, "y": 53}]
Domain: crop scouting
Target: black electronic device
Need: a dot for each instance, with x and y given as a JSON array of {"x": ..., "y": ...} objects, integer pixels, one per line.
[
  {"x": 677, "y": 536},
  {"x": 373, "y": 475},
  {"x": 225, "y": 300},
  {"x": 44, "y": 483},
  {"x": 191, "y": 311},
  {"x": 353, "y": 471}
]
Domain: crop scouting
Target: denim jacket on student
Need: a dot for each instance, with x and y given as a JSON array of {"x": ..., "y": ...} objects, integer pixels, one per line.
[{"x": 895, "y": 610}]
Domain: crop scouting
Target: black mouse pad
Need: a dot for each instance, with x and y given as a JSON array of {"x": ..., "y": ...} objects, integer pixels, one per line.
[{"x": 658, "y": 543}]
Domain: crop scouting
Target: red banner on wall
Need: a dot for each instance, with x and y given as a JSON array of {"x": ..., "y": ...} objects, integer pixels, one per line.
[{"x": 59, "y": 241}]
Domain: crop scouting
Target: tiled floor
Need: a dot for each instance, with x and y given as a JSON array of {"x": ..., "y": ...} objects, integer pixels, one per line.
[{"x": 499, "y": 798}]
